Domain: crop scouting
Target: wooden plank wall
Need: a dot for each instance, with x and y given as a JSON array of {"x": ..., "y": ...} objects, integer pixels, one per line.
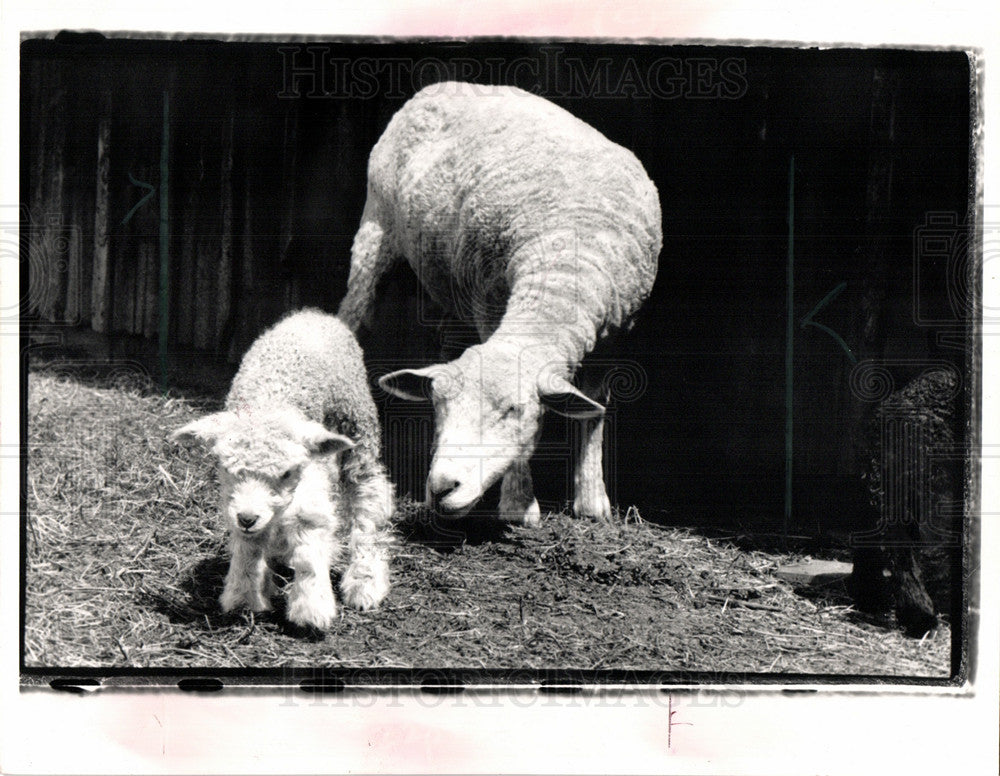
[{"x": 241, "y": 252}]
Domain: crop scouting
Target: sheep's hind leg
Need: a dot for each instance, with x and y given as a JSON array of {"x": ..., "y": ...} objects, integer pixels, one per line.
[
  {"x": 369, "y": 505},
  {"x": 517, "y": 496},
  {"x": 248, "y": 582},
  {"x": 310, "y": 594},
  {"x": 591, "y": 498},
  {"x": 371, "y": 259}
]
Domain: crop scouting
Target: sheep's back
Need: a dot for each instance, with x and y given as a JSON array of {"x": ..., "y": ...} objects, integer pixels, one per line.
[{"x": 467, "y": 178}]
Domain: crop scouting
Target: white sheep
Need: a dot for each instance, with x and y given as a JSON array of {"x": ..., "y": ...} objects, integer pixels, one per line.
[
  {"x": 298, "y": 446},
  {"x": 530, "y": 224}
]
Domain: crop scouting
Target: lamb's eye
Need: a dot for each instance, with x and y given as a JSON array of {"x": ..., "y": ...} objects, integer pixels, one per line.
[{"x": 287, "y": 475}]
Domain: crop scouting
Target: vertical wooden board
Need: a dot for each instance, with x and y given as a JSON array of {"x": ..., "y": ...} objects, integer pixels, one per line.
[
  {"x": 204, "y": 295},
  {"x": 73, "y": 311},
  {"x": 53, "y": 264},
  {"x": 226, "y": 256},
  {"x": 185, "y": 277},
  {"x": 244, "y": 298},
  {"x": 150, "y": 324},
  {"x": 138, "y": 290},
  {"x": 289, "y": 162},
  {"x": 124, "y": 307},
  {"x": 85, "y": 220},
  {"x": 36, "y": 203},
  {"x": 101, "y": 279},
  {"x": 187, "y": 264}
]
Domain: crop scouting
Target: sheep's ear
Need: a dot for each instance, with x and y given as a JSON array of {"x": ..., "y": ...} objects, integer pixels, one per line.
[
  {"x": 319, "y": 440},
  {"x": 204, "y": 430},
  {"x": 410, "y": 384},
  {"x": 561, "y": 396}
]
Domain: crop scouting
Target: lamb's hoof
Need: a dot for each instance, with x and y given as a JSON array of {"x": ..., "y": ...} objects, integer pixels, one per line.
[
  {"x": 255, "y": 602},
  {"x": 365, "y": 584},
  {"x": 312, "y": 613},
  {"x": 530, "y": 516},
  {"x": 596, "y": 509}
]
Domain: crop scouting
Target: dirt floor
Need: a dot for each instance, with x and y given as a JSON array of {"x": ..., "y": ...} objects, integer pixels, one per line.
[{"x": 125, "y": 559}]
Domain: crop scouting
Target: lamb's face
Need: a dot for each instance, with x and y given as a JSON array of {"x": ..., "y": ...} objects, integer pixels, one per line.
[
  {"x": 488, "y": 408},
  {"x": 263, "y": 457}
]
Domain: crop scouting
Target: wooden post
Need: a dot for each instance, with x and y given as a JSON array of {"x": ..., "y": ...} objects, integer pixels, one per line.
[{"x": 868, "y": 335}]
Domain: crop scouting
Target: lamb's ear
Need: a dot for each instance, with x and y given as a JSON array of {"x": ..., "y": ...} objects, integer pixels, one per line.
[
  {"x": 204, "y": 430},
  {"x": 561, "y": 396},
  {"x": 319, "y": 440},
  {"x": 410, "y": 384}
]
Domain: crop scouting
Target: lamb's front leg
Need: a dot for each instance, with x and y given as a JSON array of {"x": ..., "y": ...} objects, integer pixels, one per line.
[
  {"x": 248, "y": 581},
  {"x": 517, "y": 495},
  {"x": 310, "y": 593},
  {"x": 369, "y": 505},
  {"x": 591, "y": 499}
]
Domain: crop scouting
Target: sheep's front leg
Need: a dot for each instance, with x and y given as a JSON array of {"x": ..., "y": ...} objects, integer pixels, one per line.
[
  {"x": 517, "y": 496},
  {"x": 248, "y": 581},
  {"x": 310, "y": 594},
  {"x": 369, "y": 506},
  {"x": 591, "y": 499}
]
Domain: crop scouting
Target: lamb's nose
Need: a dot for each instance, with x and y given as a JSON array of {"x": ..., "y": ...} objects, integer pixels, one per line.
[{"x": 246, "y": 520}]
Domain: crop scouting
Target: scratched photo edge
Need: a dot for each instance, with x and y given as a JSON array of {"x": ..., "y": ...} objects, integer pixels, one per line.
[{"x": 333, "y": 680}]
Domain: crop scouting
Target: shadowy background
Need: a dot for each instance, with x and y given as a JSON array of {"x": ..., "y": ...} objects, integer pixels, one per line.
[{"x": 266, "y": 161}]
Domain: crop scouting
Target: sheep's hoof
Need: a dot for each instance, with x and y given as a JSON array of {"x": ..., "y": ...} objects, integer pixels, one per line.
[
  {"x": 596, "y": 509},
  {"x": 365, "y": 584},
  {"x": 312, "y": 613},
  {"x": 530, "y": 516}
]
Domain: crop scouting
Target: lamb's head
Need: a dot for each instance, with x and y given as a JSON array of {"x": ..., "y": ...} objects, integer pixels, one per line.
[
  {"x": 263, "y": 457},
  {"x": 488, "y": 408}
]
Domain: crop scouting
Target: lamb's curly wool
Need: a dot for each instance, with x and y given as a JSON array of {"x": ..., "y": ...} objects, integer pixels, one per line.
[
  {"x": 299, "y": 451},
  {"x": 312, "y": 362},
  {"x": 526, "y": 222}
]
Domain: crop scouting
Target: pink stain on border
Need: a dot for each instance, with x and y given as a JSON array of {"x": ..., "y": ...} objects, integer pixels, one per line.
[
  {"x": 415, "y": 747},
  {"x": 529, "y": 18}
]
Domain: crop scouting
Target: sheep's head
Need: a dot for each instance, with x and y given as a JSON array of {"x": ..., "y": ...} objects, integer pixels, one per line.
[
  {"x": 488, "y": 408},
  {"x": 263, "y": 457}
]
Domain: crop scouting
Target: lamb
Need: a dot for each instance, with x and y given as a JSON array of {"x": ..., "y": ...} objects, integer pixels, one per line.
[
  {"x": 526, "y": 222},
  {"x": 298, "y": 446}
]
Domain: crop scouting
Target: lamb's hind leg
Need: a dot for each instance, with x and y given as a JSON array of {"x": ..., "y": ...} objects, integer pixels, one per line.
[
  {"x": 371, "y": 259},
  {"x": 368, "y": 504},
  {"x": 517, "y": 496}
]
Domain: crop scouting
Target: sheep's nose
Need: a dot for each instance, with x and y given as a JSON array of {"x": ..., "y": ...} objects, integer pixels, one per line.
[
  {"x": 246, "y": 520},
  {"x": 438, "y": 488}
]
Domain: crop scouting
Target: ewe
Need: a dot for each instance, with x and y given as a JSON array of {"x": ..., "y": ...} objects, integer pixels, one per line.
[
  {"x": 521, "y": 219},
  {"x": 300, "y": 470}
]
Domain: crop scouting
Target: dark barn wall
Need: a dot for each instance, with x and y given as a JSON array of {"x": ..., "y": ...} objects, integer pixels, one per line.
[{"x": 267, "y": 179}]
